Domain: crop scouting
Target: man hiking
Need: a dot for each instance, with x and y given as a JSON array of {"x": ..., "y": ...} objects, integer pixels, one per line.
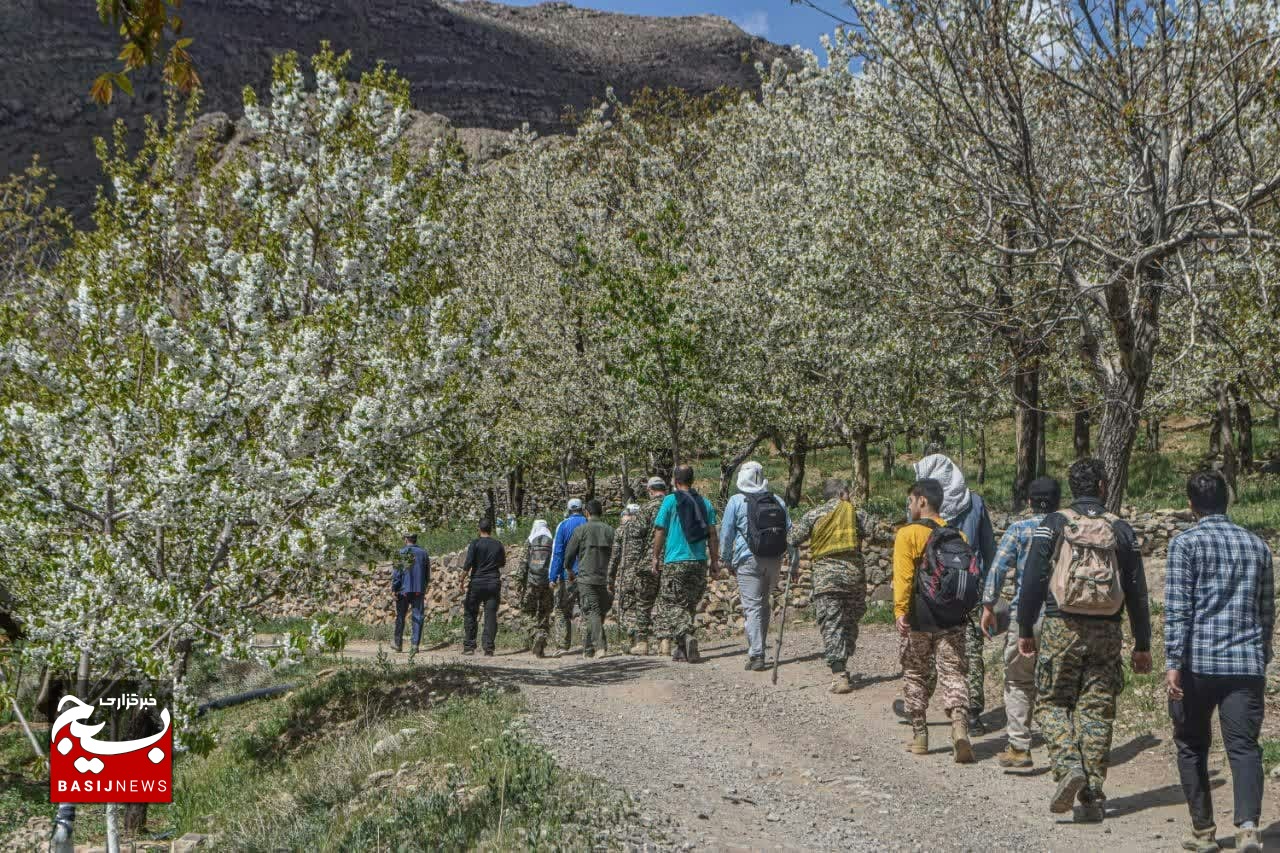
[
  {"x": 835, "y": 531},
  {"x": 409, "y": 582},
  {"x": 1019, "y": 670},
  {"x": 1219, "y": 615},
  {"x": 930, "y": 642},
  {"x": 533, "y": 586},
  {"x": 484, "y": 562},
  {"x": 684, "y": 535},
  {"x": 640, "y": 591},
  {"x": 753, "y": 538},
  {"x": 966, "y": 510},
  {"x": 558, "y": 574},
  {"x": 1084, "y": 570},
  {"x": 587, "y": 555},
  {"x": 630, "y": 554}
]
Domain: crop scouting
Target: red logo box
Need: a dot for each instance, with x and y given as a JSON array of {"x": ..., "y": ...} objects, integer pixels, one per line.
[{"x": 84, "y": 768}]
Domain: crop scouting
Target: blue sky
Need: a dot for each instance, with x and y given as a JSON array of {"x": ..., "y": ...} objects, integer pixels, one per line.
[{"x": 776, "y": 20}]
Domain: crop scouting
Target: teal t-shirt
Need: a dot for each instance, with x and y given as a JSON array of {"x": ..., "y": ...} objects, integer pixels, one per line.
[{"x": 679, "y": 549}]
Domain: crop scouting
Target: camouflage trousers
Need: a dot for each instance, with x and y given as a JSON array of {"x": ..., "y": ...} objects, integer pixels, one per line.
[
  {"x": 536, "y": 605},
  {"x": 924, "y": 654},
  {"x": 566, "y": 597},
  {"x": 1078, "y": 677},
  {"x": 838, "y": 615},
  {"x": 977, "y": 676},
  {"x": 680, "y": 592},
  {"x": 639, "y": 591}
]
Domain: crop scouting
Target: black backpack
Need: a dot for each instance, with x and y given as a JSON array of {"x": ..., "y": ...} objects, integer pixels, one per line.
[
  {"x": 766, "y": 526},
  {"x": 947, "y": 579},
  {"x": 692, "y": 513}
]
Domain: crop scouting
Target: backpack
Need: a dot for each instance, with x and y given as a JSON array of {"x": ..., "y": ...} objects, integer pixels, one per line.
[
  {"x": 766, "y": 526},
  {"x": 1086, "y": 572},
  {"x": 692, "y": 513},
  {"x": 947, "y": 579}
]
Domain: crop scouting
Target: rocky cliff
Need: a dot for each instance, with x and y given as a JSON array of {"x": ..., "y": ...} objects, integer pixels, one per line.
[{"x": 479, "y": 64}]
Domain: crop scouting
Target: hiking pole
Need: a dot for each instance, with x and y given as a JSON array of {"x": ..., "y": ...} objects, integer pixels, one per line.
[{"x": 786, "y": 605}]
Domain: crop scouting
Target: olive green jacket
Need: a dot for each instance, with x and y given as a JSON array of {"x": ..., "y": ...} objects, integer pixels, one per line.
[{"x": 591, "y": 545}]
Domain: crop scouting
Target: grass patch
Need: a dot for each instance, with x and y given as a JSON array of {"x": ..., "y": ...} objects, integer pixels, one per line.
[
  {"x": 1270, "y": 753},
  {"x": 878, "y": 613},
  {"x": 468, "y": 775}
]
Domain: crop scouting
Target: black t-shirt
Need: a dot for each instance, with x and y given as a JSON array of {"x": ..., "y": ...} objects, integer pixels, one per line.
[{"x": 485, "y": 560}]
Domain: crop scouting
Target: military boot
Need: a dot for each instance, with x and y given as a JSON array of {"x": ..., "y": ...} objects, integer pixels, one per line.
[
  {"x": 960, "y": 736},
  {"x": 1201, "y": 841},
  {"x": 840, "y": 683},
  {"x": 664, "y": 648},
  {"x": 1014, "y": 757},
  {"x": 640, "y": 648},
  {"x": 919, "y": 744},
  {"x": 691, "y": 650},
  {"x": 540, "y": 647}
]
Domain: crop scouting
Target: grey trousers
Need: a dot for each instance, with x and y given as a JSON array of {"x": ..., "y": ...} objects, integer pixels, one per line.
[
  {"x": 757, "y": 576},
  {"x": 1019, "y": 689}
]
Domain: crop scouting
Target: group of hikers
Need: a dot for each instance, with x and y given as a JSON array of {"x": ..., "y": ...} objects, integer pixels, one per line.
[{"x": 1055, "y": 588}]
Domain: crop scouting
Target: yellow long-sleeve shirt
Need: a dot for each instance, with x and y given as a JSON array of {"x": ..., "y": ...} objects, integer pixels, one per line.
[{"x": 908, "y": 548}]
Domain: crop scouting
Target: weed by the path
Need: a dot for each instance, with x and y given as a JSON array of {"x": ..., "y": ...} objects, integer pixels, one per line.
[{"x": 878, "y": 613}]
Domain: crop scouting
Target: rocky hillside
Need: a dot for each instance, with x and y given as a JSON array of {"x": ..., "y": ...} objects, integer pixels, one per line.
[{"x": 479, "y": 64}]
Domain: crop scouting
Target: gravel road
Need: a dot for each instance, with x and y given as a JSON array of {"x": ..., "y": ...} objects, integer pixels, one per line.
[{"x": 716, "y": 758}]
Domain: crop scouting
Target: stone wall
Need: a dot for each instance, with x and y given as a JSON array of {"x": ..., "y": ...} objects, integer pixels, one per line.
[{"x": 366, "y": 595}]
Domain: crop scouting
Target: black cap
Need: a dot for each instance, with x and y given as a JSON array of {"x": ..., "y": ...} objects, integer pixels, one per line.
[{"x": 1045, "y": 494}]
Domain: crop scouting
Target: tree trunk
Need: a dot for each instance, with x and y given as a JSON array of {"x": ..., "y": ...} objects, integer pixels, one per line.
[
  {"x": 628, "y": 493},
  {"x": 490, "y": 506},
  {"x": 1215, "y": 432},
  {"x": 591, "y": 483},
  {"x": 1244, "y": 429},
  {"x": 515, "y": 491},
  {"x": 1117, "y": 431},
  {"x": 135, "y": 818},
  {"x": 729, "y": 465},
  {"x": 1026, "y": 421},
  {"x": 795, "y": 469},
  {"x": 982, "y": 454},
  {"x": 937, "y": 441},
  {"x": 1226, "y": 438},
  {"x": 564, "y": 476},
  {"x": 1080, "y": 432},
  {"x": 1042, "y": 433},
  {"x": 888, "y": 457},
  {"x": 861, "y": 466}
]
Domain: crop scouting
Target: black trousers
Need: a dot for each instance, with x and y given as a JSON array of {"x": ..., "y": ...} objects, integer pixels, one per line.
[
  {"x": 477, "y": 597},
  {"x": 405, "y": 603},
  {"x": 1239, "y": 703}
]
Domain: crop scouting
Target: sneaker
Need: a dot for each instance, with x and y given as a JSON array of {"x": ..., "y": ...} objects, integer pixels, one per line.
[
  {"x": 840, "y": 683},
  {"x": 760, "y": 665},
  {"x": 1248, "y": 841},
  {"x": 589, "y": 653},
  {"x": 396, "y": 648},
  {"x": 919, "y": 743},
  {"x": 1014, "y": 757},
  {"x": 468, "y": 651},
  {"x": 1068, "y": 788},
  {"x": 750, "y": 665},
  {"x": 976, "y": 726},
  {"x": 691, "y": 650},
  {"x": 1202, "y": 841},
  {"x": 488, "y": 653},
  {"x": 679, "y": 655},
  {"x": 1090, "y": 812}
]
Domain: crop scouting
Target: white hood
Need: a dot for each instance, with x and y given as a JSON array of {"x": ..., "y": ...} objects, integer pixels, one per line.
[
  {"x": 955, "y": 494},
  {"x": 751, "y": 479},
  {"x": 539, "y": 529}
]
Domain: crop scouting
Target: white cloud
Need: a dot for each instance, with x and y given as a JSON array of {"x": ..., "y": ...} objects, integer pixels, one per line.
[{"x": 756, "y": 23}]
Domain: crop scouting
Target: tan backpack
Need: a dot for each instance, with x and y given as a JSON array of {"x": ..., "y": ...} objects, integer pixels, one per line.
[{"x": 1086, "y": 572}]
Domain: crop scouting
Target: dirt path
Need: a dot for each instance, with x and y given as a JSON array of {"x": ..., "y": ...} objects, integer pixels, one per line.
[{"x": 731, "y": 762}]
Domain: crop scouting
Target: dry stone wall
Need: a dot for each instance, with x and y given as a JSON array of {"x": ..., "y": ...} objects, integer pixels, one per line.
[{"x": 366, "y": 596}]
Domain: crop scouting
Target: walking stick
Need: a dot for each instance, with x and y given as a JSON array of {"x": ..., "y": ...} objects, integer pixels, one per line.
[{"x": 786, "y": 605}]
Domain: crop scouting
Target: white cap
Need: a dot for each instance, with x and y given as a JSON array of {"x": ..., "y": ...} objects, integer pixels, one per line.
[{"x": 575, "y": 503}]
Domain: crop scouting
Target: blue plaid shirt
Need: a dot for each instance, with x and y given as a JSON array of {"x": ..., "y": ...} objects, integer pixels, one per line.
[
  {"x": 1011, "y": 555},
  {"x": 1219, "y": 608}
]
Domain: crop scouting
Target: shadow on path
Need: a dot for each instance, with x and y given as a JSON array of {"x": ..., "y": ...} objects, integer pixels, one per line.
[
  {"x": 589, "y": 673},
  {"x": 1169, "y": 795},
  {"x": 1132, "y": 749}
]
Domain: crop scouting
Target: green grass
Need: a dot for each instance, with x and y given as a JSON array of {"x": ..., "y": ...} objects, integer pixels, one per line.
[
  {"x": 878, "y": 613},
  {"x": 1270, "y": 753}
]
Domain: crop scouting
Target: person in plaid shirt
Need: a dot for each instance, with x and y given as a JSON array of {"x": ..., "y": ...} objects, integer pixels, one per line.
[
  {"x": 1219, "y": 614},
  {"x": 1044, "y": 496}
]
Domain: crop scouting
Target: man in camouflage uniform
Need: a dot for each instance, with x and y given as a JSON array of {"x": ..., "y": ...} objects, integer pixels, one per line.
[
  {"x": 534, "y": 588},
  {"x": 684, "y": 565},
  {"x": 638, "y": 584},
  {"x": 623, "y": 563},
  {"x": 839, "y": 581},
  {"x": 1079, "y": 670}
]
